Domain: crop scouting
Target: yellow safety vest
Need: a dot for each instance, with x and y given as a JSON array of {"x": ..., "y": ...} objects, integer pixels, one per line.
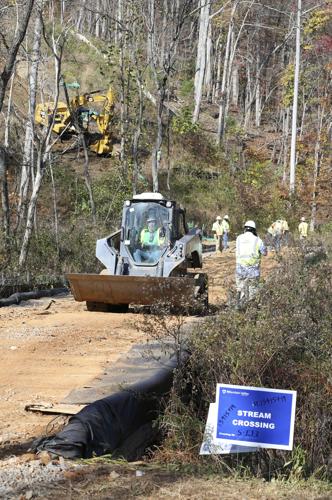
[
  {"x": 303, "y": 229},
  {"x": 247, "y": 250},
  {"x": 285, "y": 225},
  {"x": 225, "y": 225},
  {"x": 278, "y": 227},
  {"x": 151, "y": 239},
  {"x": 218, "y": 228}
]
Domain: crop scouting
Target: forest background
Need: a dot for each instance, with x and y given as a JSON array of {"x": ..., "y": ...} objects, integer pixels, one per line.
[
  {"x": 224, "y": 106},
  {"x": 203, "y": 113}
]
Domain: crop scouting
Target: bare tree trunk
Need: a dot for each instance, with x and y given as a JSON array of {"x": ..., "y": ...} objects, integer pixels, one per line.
[
  {"x": 29, "y": 131},
  {"x": 137, "y": 135},
  {"x": 225, "y": 78},
  {"x": 31, "y": 210},
  {"x": 62, "y": 10},
  {"x": 3, "y": 167},
  {"x": 156, "y": 155},
  {"x": 208, "y": 69},
  {"x": 295, "y": 100},
  {"x": 317, "y": 164},
  {"x": 97, "y": 20},
  {"x": 151, "y": 32},
  {"x": 164, "y": 30},
  {"x": 55, "y": 210},
  {"x": 201, "y": 55},
  {"x": 4, "y": 193},
  {"x": 285, "y": 136},
  {"x": 235, "y": 85},
  {"x": 248, "y": 99},
  {"x": 258, "y": 99},
  {"x": 11, "y": 57},
  {"x": 123, "y": 114},
  {"x": 221, "y": 119},
  {"x": 81, "y": 16},
  {"x": 87, "y": 178},
  {"x": 217, "y": 72},
  {"x": 304, "y": 109}
]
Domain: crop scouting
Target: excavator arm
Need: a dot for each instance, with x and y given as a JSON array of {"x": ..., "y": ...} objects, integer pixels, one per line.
[{"x": 82, "y": 104}]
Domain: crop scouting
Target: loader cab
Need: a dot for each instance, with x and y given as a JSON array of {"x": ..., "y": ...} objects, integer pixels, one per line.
[{"x": 147, "y": 228}]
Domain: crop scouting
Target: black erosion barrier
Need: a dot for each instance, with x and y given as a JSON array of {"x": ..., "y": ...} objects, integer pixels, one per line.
[
  {"x": 120, "y": 424},
  {"x": 18, "y": 297}
]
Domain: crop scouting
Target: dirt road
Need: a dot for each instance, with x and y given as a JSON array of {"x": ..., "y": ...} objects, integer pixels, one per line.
[{"x": 47, "y": 352}]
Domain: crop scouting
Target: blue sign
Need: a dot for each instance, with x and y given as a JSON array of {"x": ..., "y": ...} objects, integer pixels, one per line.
[{"x": 255, "y": 416}]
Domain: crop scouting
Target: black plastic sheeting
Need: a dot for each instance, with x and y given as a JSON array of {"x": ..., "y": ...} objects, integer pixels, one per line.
[
  {"x": 16, "y": 298},
  {"x": 109, "y": 423}
]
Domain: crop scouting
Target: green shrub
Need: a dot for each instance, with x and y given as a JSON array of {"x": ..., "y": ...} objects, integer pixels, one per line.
[
  {"x": 182, "y": 124},
  {"x": 186, "y": 88},
  {"x": 283, "y": 340}
]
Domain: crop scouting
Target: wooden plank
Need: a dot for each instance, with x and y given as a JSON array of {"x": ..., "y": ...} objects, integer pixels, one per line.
[{"x": 60, "y": 409}]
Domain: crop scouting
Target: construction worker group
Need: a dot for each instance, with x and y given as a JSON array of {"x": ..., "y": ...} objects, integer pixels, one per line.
[
  {"x": 249, "y": 250},
  {"x": 221, "y": 229}
]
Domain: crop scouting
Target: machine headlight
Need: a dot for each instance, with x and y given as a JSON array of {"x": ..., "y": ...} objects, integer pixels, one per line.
[
  {"x": 127, "y": 203},
  {"x": 168, "y": 204}
]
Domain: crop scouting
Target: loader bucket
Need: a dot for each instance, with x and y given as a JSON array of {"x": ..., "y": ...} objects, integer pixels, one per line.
[{"x": 140, "y": 290}]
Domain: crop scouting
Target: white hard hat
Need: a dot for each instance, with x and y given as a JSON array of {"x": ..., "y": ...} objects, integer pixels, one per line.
[
  {"x": 218, "y": 217},
  {"x": 250, "y": 223},
  {"x": 151, "y": 219},
  {"x": 226, "y": 217},
  {"x": 302, "y": 219}
]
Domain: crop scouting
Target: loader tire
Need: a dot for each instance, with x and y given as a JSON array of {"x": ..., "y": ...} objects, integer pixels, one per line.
[{"x": 103, "y": 307}]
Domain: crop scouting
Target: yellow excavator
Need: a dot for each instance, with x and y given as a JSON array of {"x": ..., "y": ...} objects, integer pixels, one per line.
[{"x": 81, "y": 114}]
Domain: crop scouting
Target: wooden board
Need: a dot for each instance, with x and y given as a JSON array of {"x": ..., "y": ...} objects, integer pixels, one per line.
[{"x": 60, "y": 409}]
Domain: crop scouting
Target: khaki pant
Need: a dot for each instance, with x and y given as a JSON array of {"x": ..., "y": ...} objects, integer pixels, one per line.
[
  {"x": 246, "y": 289},
  {"x": 218, "y": 243}
]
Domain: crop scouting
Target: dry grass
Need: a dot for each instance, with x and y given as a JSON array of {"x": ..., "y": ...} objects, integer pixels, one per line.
[
  {"x": 231, "y": 489},
  {"x": 282, "y": 340}
]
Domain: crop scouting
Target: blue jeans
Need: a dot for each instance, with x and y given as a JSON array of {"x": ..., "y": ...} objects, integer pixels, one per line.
[
  {"x": 225, "y": 240},
  {"x": 148, "y": 256},
  {"x": 277, "y": 242}
]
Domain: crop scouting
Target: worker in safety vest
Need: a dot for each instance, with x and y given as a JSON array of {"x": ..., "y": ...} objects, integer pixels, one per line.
[
  {"x": 152, "y": 240},
  {"x": 303, "y": 229},
  {"x": 226, "y": 228},
  {"x": 249, "y": 249},
  {"x": 285, "y": 232},
  {"x": 278, "y": 232},
  {"x": 218, "y": 231}
]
